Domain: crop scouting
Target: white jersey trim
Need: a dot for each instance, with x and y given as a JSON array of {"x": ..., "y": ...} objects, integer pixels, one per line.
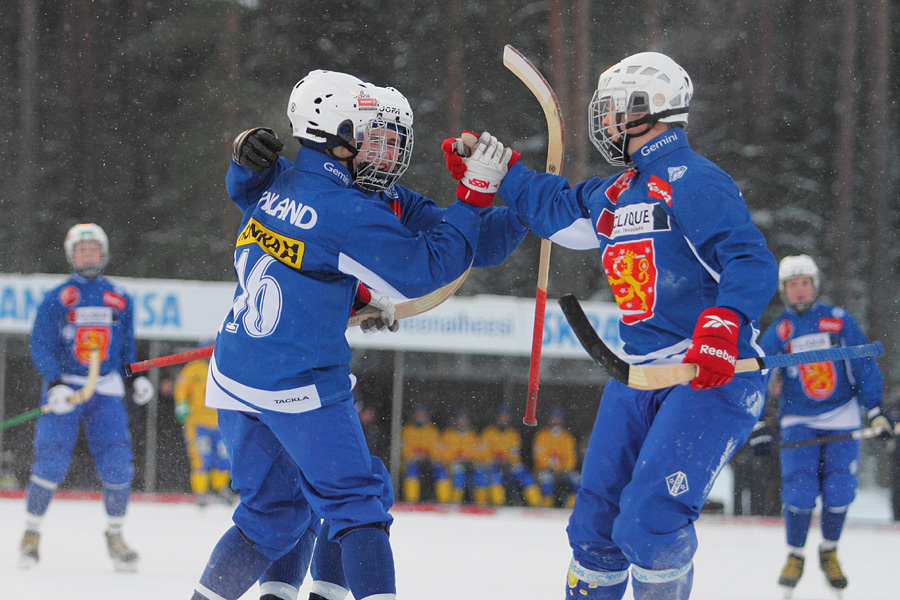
[
  {"x": 845, "y": 416},
  {"x": 355, "y": 269},
  {"x": 228, "y": 394},
  {"x": 110, "y": 384},
  {"x": 580, "y": 235}
]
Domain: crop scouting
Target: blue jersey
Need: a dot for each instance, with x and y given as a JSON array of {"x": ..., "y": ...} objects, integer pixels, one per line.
[
  {"x": 307, "y": 239},
  {"x": 74, "y": 317},
  {"x": 675, "y": 238},
  {"x": 821, "y": 388}
]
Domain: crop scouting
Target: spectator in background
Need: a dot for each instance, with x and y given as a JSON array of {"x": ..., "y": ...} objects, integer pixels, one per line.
[
  {"x": 210, "y": 479},
  {"x": 554, "y": 462},
  {"x": 465, "y": 457},
  {"x": 421, "y": 458},
  {"x": 503, "y": 444},
  {"x": 377, "y": 436},
  {"x": 756, "y": 460}
]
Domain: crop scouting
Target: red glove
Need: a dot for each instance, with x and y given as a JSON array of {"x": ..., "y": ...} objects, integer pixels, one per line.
[
  {"x": 479, "y": 163},
  {"x": 714, "y": 347}
]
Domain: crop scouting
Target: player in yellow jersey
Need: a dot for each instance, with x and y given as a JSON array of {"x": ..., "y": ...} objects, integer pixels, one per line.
[
  {"x": 420, "y": 454},
  {"x": 209, "y": 460},
  {"x": 503, "y": 444},
  {"x": 555, "y": 459},
  {"x": 466, "y": 457}
]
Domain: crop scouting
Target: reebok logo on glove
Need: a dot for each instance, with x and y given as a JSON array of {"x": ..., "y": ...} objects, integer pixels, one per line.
[
  {"x": 714, "y": 322},
  {"x": 714, "y": 347},
  {"x": 718, "y": 352}
]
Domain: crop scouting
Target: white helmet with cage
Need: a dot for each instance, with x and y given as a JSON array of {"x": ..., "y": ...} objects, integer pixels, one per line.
[
  {"x": 328, "y": 109},
  {"x": 87, "y": 232},
  {"x": 645, "y": 88},
  {"x": 799, "y": 265}
]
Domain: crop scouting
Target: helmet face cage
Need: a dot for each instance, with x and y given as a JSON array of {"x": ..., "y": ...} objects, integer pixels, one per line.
[
  {"x": 384, "y": 154},
  {"x": 645, "y": 88},
  {"x": 87, "y": 232},
  {"x": 611, "y": 106}
]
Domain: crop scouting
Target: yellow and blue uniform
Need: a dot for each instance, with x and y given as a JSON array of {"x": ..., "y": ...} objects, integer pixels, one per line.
[
  {"x": 209, "y": 458},
  {"x": 503, "y": 445},
  {"x": 555, "y": 458},
  {"x": 465, "y": 456},
  {"x": 420, "y": 450}
]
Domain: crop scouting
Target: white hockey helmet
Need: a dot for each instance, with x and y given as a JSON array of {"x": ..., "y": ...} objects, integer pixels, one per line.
[
  {"x": 799, "y": 265},
  {"x": 329, "y": 109},
  {"x": 87, "y": 232},
  {"x": 649, "y": 86}
]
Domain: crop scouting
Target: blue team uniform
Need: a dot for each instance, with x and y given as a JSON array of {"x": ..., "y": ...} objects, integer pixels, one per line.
[
  {"x": 821, "y": 399},
  {"x": 675, "y": 238},
  {"x": 74, "y": 317},
  {"x": 280, "y": 374}
]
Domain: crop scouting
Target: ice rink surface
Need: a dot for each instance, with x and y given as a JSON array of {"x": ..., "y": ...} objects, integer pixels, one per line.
[{"x": 512, "y": 554}]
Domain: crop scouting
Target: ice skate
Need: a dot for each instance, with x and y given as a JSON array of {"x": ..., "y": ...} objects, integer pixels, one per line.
[
  {"x": 124, "y": 558},
  {"x": 832, "y": 567},
  {"x": 791, "y": 573},
  {"x": 28, "y": 549}
]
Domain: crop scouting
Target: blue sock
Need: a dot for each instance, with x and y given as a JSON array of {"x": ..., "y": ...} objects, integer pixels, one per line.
[
  {"x": 37, "y": 498},
  {"x": 368, "y": 562},
  {"x": 286, "y": 574},
  {"x": 115, "y": 499},
  {"x": 670, "y": 584},
  {"x": 833, "y": 524},
  {"x": 233, "y": 567},
  {"x": 326, "y": 561},
  {"x": 796, "y": 525}
]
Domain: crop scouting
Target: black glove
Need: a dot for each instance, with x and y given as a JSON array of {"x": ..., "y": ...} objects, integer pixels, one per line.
[
  {"x": 880, "y": 423},
  {"x": 761, "y": 439},
  {"x": 257, "y": 149}
]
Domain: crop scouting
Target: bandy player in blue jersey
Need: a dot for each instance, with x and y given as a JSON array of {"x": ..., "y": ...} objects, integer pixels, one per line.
[
  {"x": 280, "y": 374},
  {"x": 256, "y": 161},
  {"x": 691, "y": 275},
  {"x": 817, "y": 400},
  {"x": 86, "y": 310}
]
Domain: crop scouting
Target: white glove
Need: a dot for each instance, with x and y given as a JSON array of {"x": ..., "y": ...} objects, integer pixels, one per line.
[
  {"x": 385, "y": 320},
  {"x": 880, "y": 424},
  {"x": 58, "y": 399},
  {"x": 487, "y": 166},
  {"x": 141, "y": 390}
]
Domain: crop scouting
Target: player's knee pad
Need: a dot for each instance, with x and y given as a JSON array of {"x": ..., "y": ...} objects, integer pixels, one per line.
[
  {"x": 114, "y": 464},
  {"x": 800, "y": 492},
  {"x": 589, "y": 584},
  {"x": 668, "y": 584}
]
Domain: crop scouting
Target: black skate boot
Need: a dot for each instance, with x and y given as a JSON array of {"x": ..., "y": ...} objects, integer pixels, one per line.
[
  {"x": 791, "y": 573},
  {"x": 28, "y": 549},
  {"x": 124, "y": 558}
]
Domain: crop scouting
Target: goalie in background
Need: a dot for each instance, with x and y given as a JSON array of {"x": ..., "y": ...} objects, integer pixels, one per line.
[
  {"x": 86, "y": 310},
  {"x": 692, "y": 275},
  {"x": 817, "y": 400},
  {"x": 210, "y": 478}
]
